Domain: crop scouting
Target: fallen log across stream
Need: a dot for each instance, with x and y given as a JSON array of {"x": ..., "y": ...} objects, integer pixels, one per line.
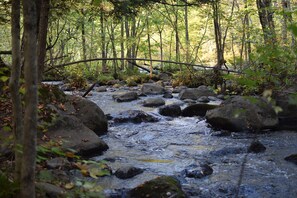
[{"x": 141, "y": 59}]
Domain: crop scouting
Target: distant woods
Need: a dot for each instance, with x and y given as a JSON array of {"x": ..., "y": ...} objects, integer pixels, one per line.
[{"x": 197, "y": 32}]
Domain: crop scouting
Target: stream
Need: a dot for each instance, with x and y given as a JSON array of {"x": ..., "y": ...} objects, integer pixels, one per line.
[{"x": 170, "y": 145}]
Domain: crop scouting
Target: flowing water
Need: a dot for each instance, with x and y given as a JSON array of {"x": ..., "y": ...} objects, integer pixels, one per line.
[{"x": 168, "y": 146}]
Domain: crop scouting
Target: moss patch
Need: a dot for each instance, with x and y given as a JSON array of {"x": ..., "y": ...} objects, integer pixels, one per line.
[{"x": 161, "y": 187}]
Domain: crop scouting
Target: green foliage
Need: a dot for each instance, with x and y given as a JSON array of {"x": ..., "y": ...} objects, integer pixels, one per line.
[
  {"x": 192, "y": 78},
  {"x": 271, "y": 68},
  {"x": 293, "y": 99},
  {"x": 45, "y": 176},
  {"x": 131, "y": 7},
  {"x": 7, "y": 187},
  {"x": 93, "y": 169},
  {"x": 172, "y": 68},
  {"x": 4, "y": 77},
  {"x": 104, "y": 78},
  {"x": 293, "y": 28},
  {"x": 136, "y": 79},
  {"x": 44, "y": 152},
  {"x": 76, "y": 77}
]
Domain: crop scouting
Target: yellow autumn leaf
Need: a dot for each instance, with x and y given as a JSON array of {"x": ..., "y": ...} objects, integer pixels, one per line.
[
  {"x": 84, "y": 172},
  {"x": 69, "y": 186}
]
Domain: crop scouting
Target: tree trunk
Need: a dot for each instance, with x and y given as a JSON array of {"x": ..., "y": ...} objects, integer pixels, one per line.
[
  {"x": 218, "y": 34},
  {"x": 161, "y": 47},
  {"x": 219, "y": 44},
  {"x": 133, "y": 36},
  {"x": 287, "y": 18},
  {"x": 103, "y": 41},
  {"x": 83, "y": 38},
  {"x": 177, "y": 48},
  {"x": 114, "y": 51},
  {"x": 266, "y": 19},
  {"x": 42, "y": 34},
  {"x": 187, "y": 33},
  {"x": 14, "y": 85},
  {"x": 122, "y": 45},
  {"x": 31, "y": 99},
  {"x": 248, "y": 47},
  {"x": 128, "y": 41},
  {"x": 149, "y": 45}
]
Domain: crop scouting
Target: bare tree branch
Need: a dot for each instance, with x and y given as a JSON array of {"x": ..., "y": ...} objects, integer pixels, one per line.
[{"x": 140, "y": 59}]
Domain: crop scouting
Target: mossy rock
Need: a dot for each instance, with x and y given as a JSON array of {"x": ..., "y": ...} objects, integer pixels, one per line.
[
  {"x": 161, "y": 187},
  {"x": 51, "y": 94}
]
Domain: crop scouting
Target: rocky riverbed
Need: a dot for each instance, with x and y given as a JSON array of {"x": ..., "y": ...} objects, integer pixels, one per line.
[{"x": 207, "y": 162}]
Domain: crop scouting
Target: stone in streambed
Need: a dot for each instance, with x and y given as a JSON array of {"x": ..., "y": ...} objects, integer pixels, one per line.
[
  {"x": 153, "y": 102},
  {"x": 243, "y": 113},
  {"x": 152, "y": 89},
  {"x": 49, "y": 190},
  {"x": 292, "y": 158},
  {"x": 197, "y": 171},
  {"x": 126, "y": 97},
  {"x": 127, "y": 172},
  {"x": 228, "y": 151},
  {"x": 135, "y": 116},
  {"x": 90, "y": 115},
  {"x": 170, "y": 110},
  {"x": 256, "y": 147},
  {"x": 203, "y": 99},
  {"x": 168, "y": 95},
  {"x": 58, "y": 162},
  {"x": 195, "y": 93},
  {"x": 76, "y": 136},
  {"x": 164, "y": 186},
  {"x": 197, "y": 109}
]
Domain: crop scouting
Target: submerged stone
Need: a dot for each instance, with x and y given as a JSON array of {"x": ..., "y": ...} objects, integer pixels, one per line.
[
  {"x": 161, "y": 187},
  {"x": 168, "y": 95},
  {"x": 198, "y": 171},
  {"x": 256, "y": 147},
  {"x": 292, "y": 158},
  {"x": 228, "y": 151},
  {"x": 135, "y": 116},
  {"x": 128, "y": 172}
]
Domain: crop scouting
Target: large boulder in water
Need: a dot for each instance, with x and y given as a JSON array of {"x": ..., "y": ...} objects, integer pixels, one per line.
[
  {"x": 126, "y": 97},
  {"x": 164, "y": 186},
  {"x": 195, "y": 93},
  {"x": 73, "y": 134},
  {"x": 90, "y": 115},
  {"x": 199, "y": 109},
  {"x": 170, "y": 110},
  {"x": 135, "y": 116},
  {"x": 242, "y": 113},
  {"x": 152, "y": 89},
  {"x": 153, "y": 102}
]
